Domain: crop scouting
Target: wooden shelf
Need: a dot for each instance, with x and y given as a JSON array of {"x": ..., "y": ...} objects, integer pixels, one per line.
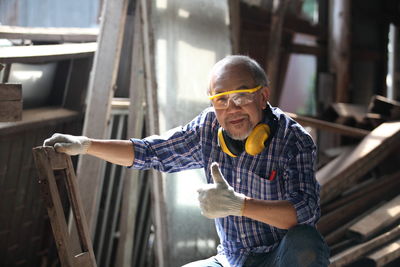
[
  {"x": 49, "y": 34},
  {"x": 45, "y": 53},
  {"x": 34, "y": 118}
]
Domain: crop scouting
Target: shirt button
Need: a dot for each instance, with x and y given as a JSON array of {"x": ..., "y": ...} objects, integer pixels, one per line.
[
  {"x": 238, "y": 180},
  {"x": 242, "y": 235}
]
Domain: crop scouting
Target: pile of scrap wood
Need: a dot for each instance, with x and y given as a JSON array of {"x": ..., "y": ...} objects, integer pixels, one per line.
[{"x": 360, "y": 191}]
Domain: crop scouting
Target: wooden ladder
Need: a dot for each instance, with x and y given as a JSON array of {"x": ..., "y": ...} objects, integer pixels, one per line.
[{"x": 50, "y": 165}]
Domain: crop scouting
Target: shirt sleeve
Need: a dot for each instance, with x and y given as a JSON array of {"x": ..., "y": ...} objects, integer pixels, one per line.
[
  {"x": 302, "y": 188},
  {"x": 176, "y": 150}
]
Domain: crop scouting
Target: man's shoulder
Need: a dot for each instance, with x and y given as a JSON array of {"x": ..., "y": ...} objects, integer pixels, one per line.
[{"x": 293, "y": 130}]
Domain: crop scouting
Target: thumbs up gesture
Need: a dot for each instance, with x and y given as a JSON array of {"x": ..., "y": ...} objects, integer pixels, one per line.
[{"x": 219, "y": 199}]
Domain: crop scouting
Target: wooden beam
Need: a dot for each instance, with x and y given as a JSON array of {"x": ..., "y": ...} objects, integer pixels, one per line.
[
  {"x": 354, "y": 253},
  {"x": 346, "y": 170},
  {"x": 234, "y": 24},
  {"x": 329, "y": 126},
  {"x": 49, "y": 34},
  {"x": 376, "y": 221},
  {"x": 306, "y": 49},
  {"x": 45, "y": 53},
  {"x": 101, "y": 89}
]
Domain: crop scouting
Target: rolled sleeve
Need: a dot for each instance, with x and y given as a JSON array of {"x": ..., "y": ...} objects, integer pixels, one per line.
[{"x": 302, "y": 189}]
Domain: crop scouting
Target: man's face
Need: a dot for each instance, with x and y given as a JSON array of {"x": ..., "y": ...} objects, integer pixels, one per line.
[{"x": 238, "y": 121}]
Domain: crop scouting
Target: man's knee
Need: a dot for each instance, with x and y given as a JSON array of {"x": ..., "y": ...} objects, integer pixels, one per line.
[
  {"x": 305, "y": 245},
  {"x": 304, "y": 234}
]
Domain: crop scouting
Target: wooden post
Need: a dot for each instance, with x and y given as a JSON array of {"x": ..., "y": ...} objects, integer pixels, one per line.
[
  {"x": 47, "y": 163},
  {"x": 100, "y": 93},
  {"x": 340, "y": 47},
  {"x": 274, "y": 48}
]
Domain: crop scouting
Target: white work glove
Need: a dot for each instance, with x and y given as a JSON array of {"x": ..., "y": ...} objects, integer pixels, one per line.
[
  {"x": 219, "y": 199},
  {"x": 69, "y": 144}
]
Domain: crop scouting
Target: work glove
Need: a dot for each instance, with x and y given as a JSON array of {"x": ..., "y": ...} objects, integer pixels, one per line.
[
  {"x": 69, "y": 144},
  {"x": 219, "y": 199}
]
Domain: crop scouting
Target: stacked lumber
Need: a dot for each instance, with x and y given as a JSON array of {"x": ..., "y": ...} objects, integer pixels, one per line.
[{"x": 360, "y": 194}]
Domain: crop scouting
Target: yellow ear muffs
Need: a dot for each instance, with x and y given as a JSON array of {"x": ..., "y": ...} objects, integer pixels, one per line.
[{"x": 255, "y": 143}]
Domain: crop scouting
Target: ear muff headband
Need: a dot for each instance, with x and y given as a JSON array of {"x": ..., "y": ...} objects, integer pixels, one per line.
[
  {"x": 222, "y": 143},
  {"x": 255, "y": 143}
]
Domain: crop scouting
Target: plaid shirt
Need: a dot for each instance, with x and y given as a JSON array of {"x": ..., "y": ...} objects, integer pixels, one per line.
[{"x": 289, "y": 157}]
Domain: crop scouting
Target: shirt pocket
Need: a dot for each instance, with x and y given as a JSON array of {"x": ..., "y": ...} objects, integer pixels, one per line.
[{"x": 266, "y": 187}]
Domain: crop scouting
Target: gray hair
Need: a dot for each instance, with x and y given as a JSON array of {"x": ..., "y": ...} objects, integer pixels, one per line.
[{"x": 253, "y": 67}]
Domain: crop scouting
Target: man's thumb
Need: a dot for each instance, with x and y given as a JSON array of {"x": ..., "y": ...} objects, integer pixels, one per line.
[{"x": 217, "y": 175}]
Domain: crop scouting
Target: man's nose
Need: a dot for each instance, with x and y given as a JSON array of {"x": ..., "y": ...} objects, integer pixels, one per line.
[{"x": 232, "y": 105}]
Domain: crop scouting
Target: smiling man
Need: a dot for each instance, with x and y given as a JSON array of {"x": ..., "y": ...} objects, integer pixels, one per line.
[{"x": 259, "y": 164}]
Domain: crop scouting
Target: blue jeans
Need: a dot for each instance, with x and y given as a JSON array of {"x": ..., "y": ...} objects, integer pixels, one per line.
[{"x": 302, "y": 246}]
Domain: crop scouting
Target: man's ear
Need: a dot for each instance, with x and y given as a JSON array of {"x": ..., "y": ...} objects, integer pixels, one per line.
[{"x": 265, "y": 95}]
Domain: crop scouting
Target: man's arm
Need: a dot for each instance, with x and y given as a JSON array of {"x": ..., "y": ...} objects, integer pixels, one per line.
[
  {"x": 278, "y": 213},
  {"x": 115, "y": 151},
  {"x": 119, "y": 152}
]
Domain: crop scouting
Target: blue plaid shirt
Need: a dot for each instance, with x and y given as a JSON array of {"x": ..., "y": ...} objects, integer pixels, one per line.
[{"x": 290, "y": 154}]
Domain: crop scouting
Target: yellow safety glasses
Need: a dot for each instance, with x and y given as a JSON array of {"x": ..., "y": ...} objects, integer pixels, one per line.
[{"x": 239, "y": 97}]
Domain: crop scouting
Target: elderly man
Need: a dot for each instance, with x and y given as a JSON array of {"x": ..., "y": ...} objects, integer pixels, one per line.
[{"x": 259, "y": 164}]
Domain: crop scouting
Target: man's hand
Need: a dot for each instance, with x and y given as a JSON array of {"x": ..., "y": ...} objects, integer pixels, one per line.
[
  {"x": 219, "y": 199},
  {"x": 69, "y": 144}
]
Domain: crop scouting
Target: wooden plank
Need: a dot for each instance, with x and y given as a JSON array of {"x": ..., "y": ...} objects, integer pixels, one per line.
[
  {"x": 152, "y": 121},
  {"x": 346, "y": 170},
  {"x": 386, "y": 254},
  {"x": 131, "y": 193},
  {"x": 354, "y": 253},
  {"x": 10, "y": 92},
  {"x": 354, "y": 207},
  {"x": 100, "y": 92},
  {"x": 377, "y": 220},
  {"x": 49, "y": 34},
  {"x": 45, "y": 53},
  {"x": 329, "y": 126},
  {"x": 383, "y": 184},
  {"x": 35, "y": 118}
]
